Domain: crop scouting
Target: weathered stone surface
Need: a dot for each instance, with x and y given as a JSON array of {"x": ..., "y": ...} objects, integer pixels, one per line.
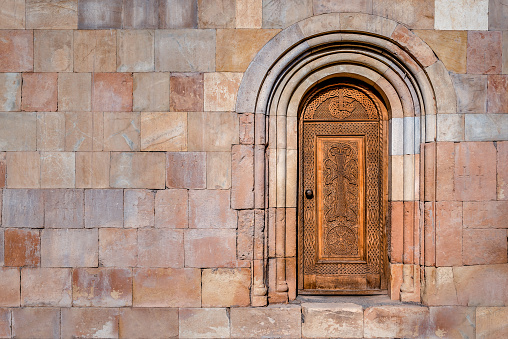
[
  {"x": 225, "y": 287},
  {"x": 151, "y": 92},
  {"x": 167, "y": 287},
  {"x": 491, "y": 322},
  {"x": 236, "y": 48},
  {"x": 274, "y": 321},
  {"x": 242, "y": 183},
  {"x": 484, "y": 247},
  {"x": 112, "y": 92},
  {"x": 221, "y": 90},
  {"x": 10, "y": 92},
  {"x": 74, "y": 91},
  {"x": 497, "y": 85},
  {"x": 16, "y": 51},
  {"x": 18, "y": 131},
  {"x": 23, "y": 208},
  {"x": 471, "y": 92},
  {"x": 216, "y": 13},
  {"x": 486, "y": 127},
  {"x": 485, "y": 214},
  {"x": 246, "y": 129},
  {"x": 69, "y": 248},
  {"x": 330, "y": 6},
  {"x": 211, "y": 209},
  {"x": 249, "y": 13},
  {"x": 414, "y": 45},
  {"x": 2, "y": 247},
  {"x": 481, "y": 285},
  {"x": 24, "y": 169},
  {"x": 186, "y": 92},
  {"x": 104, "y": 208},
  {"x": 5, "y": 323},
  {"x": 63, "y": 208},
  {"x": 171, "y": 208},
  {"x": 326, "y": 320},
  {"x": 92, "y": 169},
  {"x": 178, "y": 13},
  {"x": 505, "y": 52},
  {"x": 139, "y": 210},
  {"x": 448, "y": 233},
  {"x": 184, "y": 50},
  {"x": 137, "y": 170},
  {"x": 450, "y": 127},
  {"x": 121, "y": 131},
  {"x": 449, "y": 46},
  {"x": 218, "y": 170},
  {"x": 36, "y": 322},
  {"x": 160, "y": 248},
  {"x": 186, "y": 170},
  {"x": 82, "y": 322},
  {"x": 164, "y": 131},
  {"x": 50, "y": 131},
  {"x": 460, "y": 15},
  {"x": 9, "y": 285},
  {"x": 439, "y": 287},
  {"x": 101, "y": 287},
  {"x": 212, "y": 131},
  {"x": 502, "y": 170},
  {"x": 497, "y": 15},
  {"x": 245, "y": 235},
  {"x": 413, "y": 13},
  {"x": 22, "y": 247},
  {"x": 78, "y": 131},
  {"x": 97, "y": 14},
  {"x": 12, "y": 14},
  {"x": 118, "y": 247},
  {"x": 141, "y": 323},
  {"x": 210, "y": 247},
  {"x": 39, "y": 92},
  {"x": 281, "y": 14},
  {"x": 395, "y": 321},
  {"x": 95, "y": 51},
  {"x": 440, "y": 78},
  {"x": 58, "y": 170},
  {"x": 52, "y": 14},
  {"x": 140, "y": 14},
  {"x": 135, "y": 51},
  {"x": 484, "y": 52},
  {"x": 53, "y": 51},
  {"x": 203, "y": 323},
  {"x": 46, "y": 287},
  {"x": 452, "y": 322}
]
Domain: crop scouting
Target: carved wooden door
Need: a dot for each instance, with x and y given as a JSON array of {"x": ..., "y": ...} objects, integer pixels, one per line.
[{"x": 342, "y": 176}]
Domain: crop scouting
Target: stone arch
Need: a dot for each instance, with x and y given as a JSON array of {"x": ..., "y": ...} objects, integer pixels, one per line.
[{"x": 415, "y": 87}]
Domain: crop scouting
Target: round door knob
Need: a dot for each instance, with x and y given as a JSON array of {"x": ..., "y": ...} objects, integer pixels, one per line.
[{"x": 309, "y": 194}]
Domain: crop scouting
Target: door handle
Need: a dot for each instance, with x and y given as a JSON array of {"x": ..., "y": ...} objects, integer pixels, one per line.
[{"x": 309, "y": 194}]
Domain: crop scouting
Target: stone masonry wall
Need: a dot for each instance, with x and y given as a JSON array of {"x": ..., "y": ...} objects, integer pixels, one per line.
[{"x": 126, "y": 176}]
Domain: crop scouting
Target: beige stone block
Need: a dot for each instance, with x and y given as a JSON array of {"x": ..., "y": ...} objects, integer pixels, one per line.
[
  {"x": 53, "y": 51},
  {"x": 245, "y": 235},
  {"x": 221, "y": 90},
  {"x": 413, "y": 13},
  {"x": 439, "y": 287},
  {"x": 186, "y": 170},
  {"x": 461, "y": 15},
  {"x": 481, "y": 285},
  {"x": 505, "y": 52},
  {"x": 216, "y": 13},
  {"x": 10, "y": 285},
  {"x": 23, "y": 208},
  {"x": 491, "y": 322},
  {"x": 210, "y": 248},
  {"x": 160, "y": 248},
  {"x": 50, "y": 131},
  {"x": 35, "y": 322},
  {"x": 118, "y": 247},
  {"x": 446, "y": 100},
  {"x": 395, "y": 321},
  {"x": 5, "y": 323},
  {"x": 39, "y": 92},
  {"x": 226, "y": 287},
  {"x": 337, "y": 320},
  {"x": 448, "y": 233},
  {"x": 276, "y": 321},
  {"x": 10, "y": 91},
  {"x": 104, "y": 208},
  {"x": 12, "y": 14},
  {"x": 164, "y": 131},
  {"x": 471, "y": 92},
  {"x": 281, "y": 14},
  {"x": 58, "y": 169},
  {"x": 452, "y": 322},
  {"x": 212, "y": 131},
  {"x": 83, "y": 322},
  {"x": 139, "y": 208},
  {"x": 79, "y": 131},
  {"x": 112, "y": 92},
  {"x": 18, "y": 131},
  {"x": 141, "y": 323},
  {"x": 249, "y": 13},
  {"x": 46, "y": 287},
  {"x": 414, "y": 45},
  {"x": 486, "y": 127},
  {"x": 69, "y": 248},
  {"x": 64, "y": 208},
  {"x": 172, "y": 208},
  {"x": 246, "y": 128},
  {"x": 242, "y": 183},
  {"x": 23, "y": 169},
  {"x": 211, "y": 209},
  {"x": 502, "y": 170},
  {"x": 330, "y": 6},
  {"x": 95, "y": 51},
  {"x": 485, "y": 214},
  {"x": 151, "y": 92},
  {"x": 484, "y": 246},
  {"x": 92, "y": 169},
  {"x": 218, "y": 170},
  {"x": 449, "y": 46},
  {"x": 397, "y": 182},
  {"x": 52, "y": 14},
  {"x": 74, "y": 91},
  {"x": 135, "y": 51},
  {"x": 16, "y": 51},
  {"x": 138, "y": 170},
  {"x": 203, "y": 323},
  {"x": 450, "y": 127},
  {"x": 121, "y": 131},
  {"x": 97, "y": 14},
  {"x": 178, "y": 13}
]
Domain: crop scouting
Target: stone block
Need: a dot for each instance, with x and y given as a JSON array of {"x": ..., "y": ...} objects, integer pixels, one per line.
[
  {"x": 331, "y": 6},
  {"x": 452, "y": 322},
  {"x": 484, "y": 52},
  {"x": 505, "y": 52},
  {"x": 24, "y": 169},
  {"x": 450, "y": 127},
  {"x": 497, "y": 87},
  {"x": 242, "y": 182},
  {"x": 10, "y": 91},
  {"x": 112, "y": 92},
  {"x": 2, "y": 247},
  {"x": 18, "y": 131},
  {"x": 139, "y": 210},
  {"x": 246, "y": 129},
  {"x": 138, "y": 170},
  {"x": 225, "y": 287},
  {"x": 178, "y": 14},
  {"x": 92, "y": 169},
  {"x": 97, "y": 14},
  {"x": 461, "y": 15},
  {"x": 104, "y": 208},
  {"x": 58, "y": 170},
  {"x": 412, "y": 13},
  {"x": 50, "y": 131},
  {"x": 118, "y": 247},
  {"x": 98, "y": 131},
  {"x": 82, "y": 322},
  {"x": 101, "y": 287},
  {"x": 69, "y": 248},
  {"x": 151, "y": 92},
  {"x": 12, "y": 14},
  {"x": 5, "y": 323},
  {"x": 164, "y": 131},
  {"x": 184, "y": 50},
  {"x": 160, "y": 248},
  {"x": 211, "y": 209},
  {"x": 95, "y": 51},
  {"x": 36, "y": 322},
  {"x": 39, "y": 92},
  {"x": 449, "y": 46},
  {"x": 210, "y": 247},
  {"x": 171, "y": 208},
  {"x": 486, "y": 127},
  {"x": 78, "y": 131},
  {"x": 414, "y": 45},
  {"x": 396, "y": 279},
  {"x": 186, "y": 92},
  {"x": 491, "y": 322},
  {"x": 332, "y": 320},
  {"x": 23, "y": 208},
  {"x": 74, "y": 92},
  {"x": 487, "y": 246},
  {"x": 395, "y": 321},
  {"x": 218, "y": 170},
  {"x": 245, "y": 235},
  {"x": 16, "y": 50},
  {"x": 135, "y": 51},
  {"x": 212, "y": 131},
  {"x": 52, "y": 14},
  {"x": 397, "y": 231},
  {"x": 481, "y": 285},
  {"x": 273, "y": 321},
  {"x": 249, "y": 13},
  {"x": 445, "y": 167},
  {"x": 471, "y": 92},
  {"x": 3, "y": 173},
  {"x": 140, "y": 14},
  {"x": 439, "y": 287},
  {"x": 64, "y": 208},
  {"x": 448, "y": 233},
  {"x": 281, "y": 14},
  {"x": 10, "y": 287},
  {"x": 485, "y": 214},
  {"x": 502, "y": 170},
  {"x": 497, "y": 15},
  {"x": 167, "y": 287},
  {"x": 122, "y": 131},
  {"x": 220, "y": 90},
  {"x": 203, "y": 323},
  {"x": 186, "y": 170},
  {"x": 236, "y": 48},
  {"x": 46, "y": 287},
  {"x": 216, "y": 13},
  {"x": 53, "y": 51},
  {"x": 138, "y": 323},
  {"x": 22, "y": 247}
]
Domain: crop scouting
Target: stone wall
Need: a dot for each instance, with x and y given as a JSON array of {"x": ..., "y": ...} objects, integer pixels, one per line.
[{"x": 133, "y": 196}]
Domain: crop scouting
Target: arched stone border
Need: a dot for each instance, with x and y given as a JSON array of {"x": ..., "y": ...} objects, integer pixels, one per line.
[{"x": 415, "y": 86}]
